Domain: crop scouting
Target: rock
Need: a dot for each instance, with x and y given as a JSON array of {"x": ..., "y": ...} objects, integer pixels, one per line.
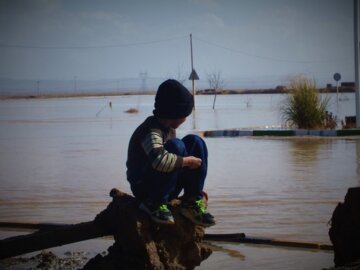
[
  {"x": 345, "y": 229},
  {"x": 142, "y": 244}
]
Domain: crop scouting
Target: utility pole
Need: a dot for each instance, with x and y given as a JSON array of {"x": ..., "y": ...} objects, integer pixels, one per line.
[
  {"x": 192, "y": 71},
  {"x": 192, "y": 66},
  {"x": 75, "y": 84},
  {"x": 38, "y": 87},
  {"x": 193, "y": 74},
  {"x": 143, "y": 76},
  {"x": 356, "y": 48}
]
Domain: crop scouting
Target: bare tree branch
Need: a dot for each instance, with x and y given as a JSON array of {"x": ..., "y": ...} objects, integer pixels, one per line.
[{"x": 216, "y": 82}]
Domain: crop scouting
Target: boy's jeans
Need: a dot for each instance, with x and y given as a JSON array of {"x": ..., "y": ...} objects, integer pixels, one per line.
[{"x": 159, "y": 187}]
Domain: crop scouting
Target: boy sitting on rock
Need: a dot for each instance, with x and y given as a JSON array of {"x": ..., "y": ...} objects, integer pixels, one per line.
[{"x": 160, "y": 166}]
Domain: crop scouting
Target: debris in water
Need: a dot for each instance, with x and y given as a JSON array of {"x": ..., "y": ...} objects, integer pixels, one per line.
[{"x": 132, "y": 110}]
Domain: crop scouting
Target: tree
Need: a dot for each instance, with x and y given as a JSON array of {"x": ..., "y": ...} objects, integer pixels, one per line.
[{"x": 216, "y": 82}]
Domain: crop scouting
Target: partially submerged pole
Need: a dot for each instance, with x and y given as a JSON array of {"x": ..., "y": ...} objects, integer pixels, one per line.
[
  {"x": 356, "y": 49},
  {"x": 242, "y": 238},
  {"x": 62, "y": 235}
]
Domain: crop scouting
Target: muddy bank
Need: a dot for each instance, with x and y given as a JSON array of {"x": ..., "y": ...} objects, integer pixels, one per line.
[
  {"x": 350, "y": 266},
  {"x": 46, "y": 260},
  {"x": 343, "y": 222},
  {"x": 142, "y": 244},
  {"x": 139, "y": 242}
]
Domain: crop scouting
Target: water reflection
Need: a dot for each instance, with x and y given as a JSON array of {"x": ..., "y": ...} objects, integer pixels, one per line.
[
  {"x": 216, "y": 119},
  {"x": 194, "y": 119},
  {"x": 324, "y": 163},
  {"x": 305, "y": 150},
  {"x": 230, "y": 252}
]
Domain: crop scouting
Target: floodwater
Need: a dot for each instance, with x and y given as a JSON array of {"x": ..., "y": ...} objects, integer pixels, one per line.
[{"x": 60, "y": 158}]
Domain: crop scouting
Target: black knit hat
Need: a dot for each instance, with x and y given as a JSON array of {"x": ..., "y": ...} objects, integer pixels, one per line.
[{"x": 173, "y": 100}]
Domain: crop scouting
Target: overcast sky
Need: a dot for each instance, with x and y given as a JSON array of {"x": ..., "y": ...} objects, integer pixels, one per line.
[{"x": 114, "y": 39}]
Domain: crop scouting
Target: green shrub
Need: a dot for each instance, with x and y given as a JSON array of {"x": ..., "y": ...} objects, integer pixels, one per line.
[{"x": 304, "y": 108}]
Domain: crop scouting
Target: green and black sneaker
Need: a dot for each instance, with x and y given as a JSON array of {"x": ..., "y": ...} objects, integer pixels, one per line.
[
  {"x": 159, "y": 213},
  {"x": 197, "y": 213}
]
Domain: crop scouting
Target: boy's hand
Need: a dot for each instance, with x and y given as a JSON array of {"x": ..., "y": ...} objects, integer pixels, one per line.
[{"x": 192, "y": 162}]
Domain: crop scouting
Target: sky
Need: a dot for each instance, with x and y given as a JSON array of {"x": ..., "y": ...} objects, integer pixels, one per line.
[{"x": 249, "y": 41}]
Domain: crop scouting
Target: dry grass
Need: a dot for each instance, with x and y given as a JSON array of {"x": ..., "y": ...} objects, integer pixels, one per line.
[{"x": 304, "y": 108}]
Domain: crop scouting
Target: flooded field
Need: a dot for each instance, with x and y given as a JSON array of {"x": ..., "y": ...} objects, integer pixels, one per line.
[{"x": 60, "y": 158}]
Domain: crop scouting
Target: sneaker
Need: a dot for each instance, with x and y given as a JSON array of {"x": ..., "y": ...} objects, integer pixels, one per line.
[
  {"x": 158, "y": 213},
  {"x": 197, "y": 213}
]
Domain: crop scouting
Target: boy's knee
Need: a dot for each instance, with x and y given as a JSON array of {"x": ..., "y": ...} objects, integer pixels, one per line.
[
  {"x": 195, "y": 146},
  {"x": 193, "y": 139},
  {"x": 176, "y": 146}
]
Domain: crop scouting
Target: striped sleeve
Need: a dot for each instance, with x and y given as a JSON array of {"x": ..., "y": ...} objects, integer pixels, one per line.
[{"x": 161, "y": 160}]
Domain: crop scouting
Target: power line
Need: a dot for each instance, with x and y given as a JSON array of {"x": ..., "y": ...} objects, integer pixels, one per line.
[
  {"x": 260, "y": 56},
  {"x": 18, "y": 46}
]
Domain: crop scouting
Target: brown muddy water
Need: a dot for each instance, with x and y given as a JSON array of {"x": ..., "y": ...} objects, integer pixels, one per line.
[{"x": 60, "y": 158}]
